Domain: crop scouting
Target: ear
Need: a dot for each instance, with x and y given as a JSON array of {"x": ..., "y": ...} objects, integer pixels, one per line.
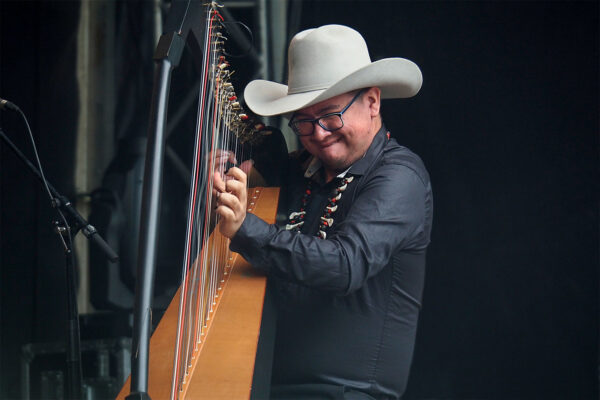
[{"x": 373, "y": 97}]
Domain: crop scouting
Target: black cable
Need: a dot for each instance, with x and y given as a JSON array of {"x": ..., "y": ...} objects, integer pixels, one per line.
[
  {"x": 184, "y": 16},
  {"x": 53, "y": 200},
  {"x": 35, "y": 153}
]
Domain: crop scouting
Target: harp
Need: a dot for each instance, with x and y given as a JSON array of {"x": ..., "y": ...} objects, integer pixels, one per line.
[
  {"x": 205, "y": 344},
  {"x": 223, "y": 363}
]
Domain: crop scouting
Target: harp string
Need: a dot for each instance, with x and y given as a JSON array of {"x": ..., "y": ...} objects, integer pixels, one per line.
[
  {"x": 221, "y": 129},
  {"x": 195, "y": 222}
]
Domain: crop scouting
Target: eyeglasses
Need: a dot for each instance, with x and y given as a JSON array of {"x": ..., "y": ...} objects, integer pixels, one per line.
[{"x": 330, "y": 122}]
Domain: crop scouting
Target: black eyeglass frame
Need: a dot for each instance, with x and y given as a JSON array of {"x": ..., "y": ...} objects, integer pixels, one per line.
[{"x": 292, "y": 123}]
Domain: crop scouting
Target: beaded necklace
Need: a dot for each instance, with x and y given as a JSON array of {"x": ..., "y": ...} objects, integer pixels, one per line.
[{"x": 296, "y": 219}]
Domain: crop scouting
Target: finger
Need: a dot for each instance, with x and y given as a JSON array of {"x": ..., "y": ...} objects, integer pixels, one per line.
[
  {"x": 229, "y": 200},
  {"x": 236, "y": 188},
  {"x": 237, "y": 174},
  {"x": 219, "y": 162},
  {"x": 232, "y": 158},
  {"x": 246, "y": 166},
  {"x": 218, "y": 185},
  {"x": 225, "y": 155},
  {"x": 219, "y": 156},
  {"x": 225, "y": 213}
]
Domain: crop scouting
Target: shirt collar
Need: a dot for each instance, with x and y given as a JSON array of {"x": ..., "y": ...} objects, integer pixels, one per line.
[{"x": 360, "y": 166}]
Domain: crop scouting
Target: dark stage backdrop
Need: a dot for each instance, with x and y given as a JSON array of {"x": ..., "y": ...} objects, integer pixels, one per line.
[
  {"x": 507, "y": 124},
  {"x": 37, "y": 72}
]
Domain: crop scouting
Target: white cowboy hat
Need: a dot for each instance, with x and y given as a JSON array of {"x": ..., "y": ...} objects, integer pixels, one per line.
[{"x": 325, "y": 62}]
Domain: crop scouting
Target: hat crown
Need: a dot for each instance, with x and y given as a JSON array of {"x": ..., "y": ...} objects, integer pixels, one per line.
[{"x": 320, "y": 57}]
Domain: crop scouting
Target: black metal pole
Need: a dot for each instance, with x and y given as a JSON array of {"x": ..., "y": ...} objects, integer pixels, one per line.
[
  {"x": 167, "y": 56},
  {"x": 74, "y": 374}
]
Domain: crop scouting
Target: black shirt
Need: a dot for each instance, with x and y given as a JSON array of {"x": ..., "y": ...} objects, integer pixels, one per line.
[{"x": 348, "y": 305}]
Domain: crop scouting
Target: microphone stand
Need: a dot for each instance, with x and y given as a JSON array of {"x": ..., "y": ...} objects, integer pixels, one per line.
[{"x": 73, "y": 350}]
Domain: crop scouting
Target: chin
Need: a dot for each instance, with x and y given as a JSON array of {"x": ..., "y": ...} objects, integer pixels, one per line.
[
  {"x": 333, "y": 157},
  {"x": 335, "y": 164}
]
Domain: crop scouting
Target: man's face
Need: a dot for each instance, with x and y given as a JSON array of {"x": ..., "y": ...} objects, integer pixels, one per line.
[{"x": 339, "y": 149}]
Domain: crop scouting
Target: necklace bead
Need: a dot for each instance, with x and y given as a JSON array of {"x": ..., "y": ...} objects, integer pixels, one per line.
[{"x": 296, "y": 219}]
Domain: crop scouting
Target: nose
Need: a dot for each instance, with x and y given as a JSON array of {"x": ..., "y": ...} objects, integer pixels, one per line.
[{"x": 319, "y": 133}]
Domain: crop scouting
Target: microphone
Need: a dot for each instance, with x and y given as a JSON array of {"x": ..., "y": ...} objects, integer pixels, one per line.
[{"x": 5, "y": 104}]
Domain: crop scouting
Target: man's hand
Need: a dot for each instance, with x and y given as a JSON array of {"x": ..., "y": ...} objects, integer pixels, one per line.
[{"x": 231, "y": 195}]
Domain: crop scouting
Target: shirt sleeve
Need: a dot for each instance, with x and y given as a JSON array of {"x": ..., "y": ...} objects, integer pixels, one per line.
[{"x": 387, "y": 214}]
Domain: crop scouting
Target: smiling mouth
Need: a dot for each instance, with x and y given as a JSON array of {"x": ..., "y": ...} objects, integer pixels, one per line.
[{"x": 323, "y": 146}]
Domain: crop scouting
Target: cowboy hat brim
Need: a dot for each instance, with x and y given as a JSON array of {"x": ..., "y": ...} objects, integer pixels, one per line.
[{"x": 396, "y": 77}]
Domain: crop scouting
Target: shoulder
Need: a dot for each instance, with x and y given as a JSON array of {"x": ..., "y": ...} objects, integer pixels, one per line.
[
  {"x": 298, "y": 161},
  {"x": 398, "y": 157}
]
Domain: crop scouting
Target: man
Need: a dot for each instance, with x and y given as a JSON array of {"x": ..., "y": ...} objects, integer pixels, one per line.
[{"x": 348, "y": 267}]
